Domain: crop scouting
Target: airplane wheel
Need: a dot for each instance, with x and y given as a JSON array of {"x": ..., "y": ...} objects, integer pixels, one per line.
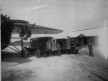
[{"x": 24, "y": 53}]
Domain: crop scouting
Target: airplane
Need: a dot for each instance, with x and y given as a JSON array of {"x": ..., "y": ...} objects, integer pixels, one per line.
[{"x": 23, "y": 28}]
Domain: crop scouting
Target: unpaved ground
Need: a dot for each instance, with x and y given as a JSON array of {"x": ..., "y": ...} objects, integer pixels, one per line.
[{"x": 65, "y": 68}]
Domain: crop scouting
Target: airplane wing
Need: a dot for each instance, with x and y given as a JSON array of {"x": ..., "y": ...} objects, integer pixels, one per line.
[
  {"x": 37, "y": 29},
  {"x": 19, "y": 21},
  {"x": 45, "y": 30}
]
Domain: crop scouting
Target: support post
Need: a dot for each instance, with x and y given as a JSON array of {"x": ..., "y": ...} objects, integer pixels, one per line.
[
  {"x": 22, "y": 48},
  {"x": 22, "y": 43}
]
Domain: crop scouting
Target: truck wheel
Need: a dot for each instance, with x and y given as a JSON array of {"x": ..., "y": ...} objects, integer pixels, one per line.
[
  {"x": 37, "y": 53},
  {"x": 76, "y": 51}
]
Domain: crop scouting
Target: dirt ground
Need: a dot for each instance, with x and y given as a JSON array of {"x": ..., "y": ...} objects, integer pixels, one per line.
[{"x": 80, "y": 67}]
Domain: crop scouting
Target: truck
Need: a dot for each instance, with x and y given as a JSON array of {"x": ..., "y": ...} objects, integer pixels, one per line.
[
  {"x": 69, "y": 45},
  {"x": 42, "y": 46}
]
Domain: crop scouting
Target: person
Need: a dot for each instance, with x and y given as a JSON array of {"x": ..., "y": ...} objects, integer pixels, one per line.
[
  {"x": 59, "y": 48},
  {"x": 68, "y": 45},
  {"x": 90, "y": 47}
]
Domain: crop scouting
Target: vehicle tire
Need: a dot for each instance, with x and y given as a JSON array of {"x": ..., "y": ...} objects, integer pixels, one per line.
[
  {"x": 37, "y": 53},
  {"x": 76, "y": 51}
]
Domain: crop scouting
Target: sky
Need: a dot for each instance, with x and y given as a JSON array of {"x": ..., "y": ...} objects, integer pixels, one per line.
[{"x": 67, "y": 15}]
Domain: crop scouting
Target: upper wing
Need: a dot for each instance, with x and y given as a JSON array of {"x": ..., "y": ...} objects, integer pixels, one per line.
[
  {"x": 36, "y": 29},
  {"x": 19, "y": 21}
]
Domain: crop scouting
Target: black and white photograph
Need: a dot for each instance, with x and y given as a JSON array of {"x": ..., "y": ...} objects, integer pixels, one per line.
[{"x": 54, "y": 40}]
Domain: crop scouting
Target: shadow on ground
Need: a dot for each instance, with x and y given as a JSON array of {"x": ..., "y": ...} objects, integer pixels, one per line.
[
  {"x": 13, "y": 57},
  {"x": 16, "y": 75}
]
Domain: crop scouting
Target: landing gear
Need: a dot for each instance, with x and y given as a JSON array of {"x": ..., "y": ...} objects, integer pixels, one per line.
[
  {"x": 24, "y": 34},
  {"x": 24, "y": 53},
  {"x": 58, "y": 52}
]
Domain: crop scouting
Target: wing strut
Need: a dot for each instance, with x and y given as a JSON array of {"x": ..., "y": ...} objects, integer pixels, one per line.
[
  {"x": 24, "y": 36},
  {"x": 15, "y": 47}
]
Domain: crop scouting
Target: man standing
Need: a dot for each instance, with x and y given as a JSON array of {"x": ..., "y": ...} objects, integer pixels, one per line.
[
  {"x": 68, "y": 45},
  {"x": 90, "y": 47},
  {"x": 58, "y": 48}
]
